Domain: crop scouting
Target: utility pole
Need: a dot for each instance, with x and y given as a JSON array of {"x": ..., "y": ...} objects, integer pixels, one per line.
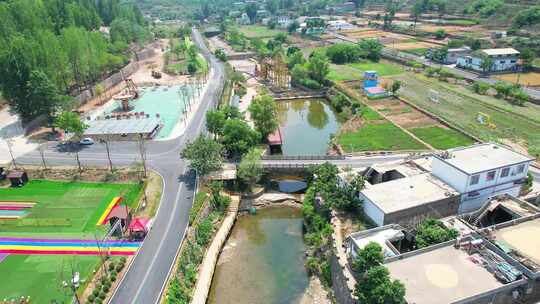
[
  {"x": 142, "y": 150},
  {"x": 9, "y": 143},
  {"x": 41, "y": 150}
]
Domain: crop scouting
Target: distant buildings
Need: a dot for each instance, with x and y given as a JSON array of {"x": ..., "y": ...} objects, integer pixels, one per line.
[
  {"x": 503, "y": 59},
  {"x": 338, "y": 25},
  {"x": 452, "y": 55}
]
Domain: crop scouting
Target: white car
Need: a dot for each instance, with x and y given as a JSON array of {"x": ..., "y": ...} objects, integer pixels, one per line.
[{"x": 86, "y": 141}]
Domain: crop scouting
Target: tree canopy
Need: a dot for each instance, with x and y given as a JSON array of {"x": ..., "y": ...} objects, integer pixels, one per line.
[
  {"x": 71, "y": 123},
  {"x": 205, "y": 155},
  {"x": 238, "y": 137},
  {"x": 263, "y": 111},
  {"x": 250, "y": 167},
  {"x": 431, "y": 232},
  {"x": 368, "y": 257}
]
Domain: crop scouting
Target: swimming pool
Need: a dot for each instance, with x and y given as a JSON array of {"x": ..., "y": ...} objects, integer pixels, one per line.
[{"x": 168, "y": 102}]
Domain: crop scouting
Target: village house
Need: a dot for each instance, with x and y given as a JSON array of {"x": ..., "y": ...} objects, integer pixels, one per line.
[{"x": 504, "y": 59}]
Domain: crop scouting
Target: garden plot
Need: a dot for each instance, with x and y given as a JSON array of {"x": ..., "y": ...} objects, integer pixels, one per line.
[{"x": 531, "y": 79}]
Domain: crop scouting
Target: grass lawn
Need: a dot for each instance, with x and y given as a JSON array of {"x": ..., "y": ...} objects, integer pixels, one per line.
[
  {"x": 63, "y": 207},
  {"x": 461, "y": 107},
  {"x": 382, "y": 68},
  {"x": 442, "y": 138},
  {"x": 378, "y": 137},
  {"x": 355, "y": 71},
  {"x": 258, "y": 31},
  {"x": 418, "y": 52},
  {"x": 63, "y": 210},
  {"x": 40, "y": 276}
]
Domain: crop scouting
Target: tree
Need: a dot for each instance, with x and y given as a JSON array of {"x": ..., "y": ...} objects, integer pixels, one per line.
[
  {"x": 43, "y": 96},
  {"x": 390, "y": 10},
  {"x": 416, "y": 12},
  {"x": 294, "y": 59},
  {"x": 232, "y": 112},
  {"x": 318, "y": 66},
  {"x": 218, "y": 201},
  {"x": 251, "y": 11},
  {"x": 238, "y": 137},
  {"x": 396, "y": 85},
  {"x": 263, "y": 111},
  {"x": 486, "y": 64},
  {"x": 341, "y": 53},
  {"x": 70, "y": 122},
  {"x": 440, "y": 34},
  {"x": 205, "y": 155},
  {"x": 371, "y": 49},
  {"x": 431, "y": 232},
  {"x": 250, "y": 168},
  {"x": 293, "y": 27},
  {"x": 375, "y": 286},
  {"x": 368, "y": 257},
  {"x": 215, "y": 122}
]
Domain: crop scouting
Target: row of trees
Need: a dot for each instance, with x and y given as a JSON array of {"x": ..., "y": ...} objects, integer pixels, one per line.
[
  {"x": 341, "y": 53},
  {"x": 51, "y": 47}
]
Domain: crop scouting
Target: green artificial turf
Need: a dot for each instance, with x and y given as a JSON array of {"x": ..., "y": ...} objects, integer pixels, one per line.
[
  {"x": 64, "y": 207},
  {"x": 382, "y": 68},
  {"x": 441, "y": 138},
  {"x": 41, "y": 276},
  {"x": 378, "y": 137}
]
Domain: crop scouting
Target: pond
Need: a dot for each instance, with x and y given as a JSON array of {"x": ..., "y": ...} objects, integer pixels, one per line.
[
  {"x": 306, "y": 126},
  {"x": 263, "y": 260}
]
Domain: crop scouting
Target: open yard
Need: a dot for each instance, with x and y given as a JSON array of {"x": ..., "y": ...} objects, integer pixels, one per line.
[
  {"x": 63, "y": 210},
  {"x": 258, "y": 31},
  {"x": 520, "y": 125}
]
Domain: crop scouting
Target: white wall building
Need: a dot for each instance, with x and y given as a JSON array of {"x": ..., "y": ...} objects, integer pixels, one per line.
[
  {"x": 504, "y": 59},
  {"x": 481, "y": 172},
  {"x": 338, "y": 25}
]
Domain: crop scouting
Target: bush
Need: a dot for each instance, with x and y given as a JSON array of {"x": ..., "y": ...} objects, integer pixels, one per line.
[
  {"x": 98, "y": 301},
  {"x": 480, "y": 87},
  {"x": 113, "y": 277},
  {"x": 312, "y": 265},
  {"x": 111, "y": 266},
  {"x": 96, "y": 291},
  {"x": 90, "y": 298},
  {"x": 339, "y": 102},
  {"x": 119, "y": 267},
  {"x": 123, "y": 260},
  {"x": 440, "y": 34},
  {"x": 104, "y": 280},
  {"x": 102, "y": 295},
  {"x": 106, "y": 288}
]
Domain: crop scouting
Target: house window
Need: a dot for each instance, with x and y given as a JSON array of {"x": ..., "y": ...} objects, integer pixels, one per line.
[
  {"x": 512, "y": 61},
  {"x": 490, "y": 176},
  {"x": 502, "y": 61},
  {"x": 505, "y": 172},
  {"x": 474, "y": 179},
  {"x": 520, "y": 168}
]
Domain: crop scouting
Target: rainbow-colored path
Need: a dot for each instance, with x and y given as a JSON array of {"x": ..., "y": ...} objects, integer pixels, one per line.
[{"x": 14, "y": 245}]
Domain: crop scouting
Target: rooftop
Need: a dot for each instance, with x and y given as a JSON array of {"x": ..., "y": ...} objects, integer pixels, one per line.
[
  {"x": 524, "y": 242},
  {"x": 445, "y": 274},
  {"x": 483, "y": 157},
  {"x": 122, "y": 126},
  {"x": 408, "y": 192},
  {"x": 379, "y": 235},
  {"x": 502, "y": 51}
]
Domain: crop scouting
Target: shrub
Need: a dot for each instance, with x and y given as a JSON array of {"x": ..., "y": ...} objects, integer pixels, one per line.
[
  {"x": 123, "y": 260},
  {"x": 480, "y": 87},
  {"x": 312, "y": 265},
  {"x": 107, "y": 284},
  {"x": 95, "y": 293},
  {"x": 113, "y": 277},
  {"x": 98, "y": 301},
  {"x": 440, "y": 34},
  {"x": 91, "y": 298},
  {"x": 111, "y": 266},
  {"x": 102, "y": 295},
  {"x": 119, "y": 267},
  {"x": 431, "y": 232},
  {"x": 113, "y": 271},
  {"x": 106, "y": 288},
  {"x": 104, "y": 280}
]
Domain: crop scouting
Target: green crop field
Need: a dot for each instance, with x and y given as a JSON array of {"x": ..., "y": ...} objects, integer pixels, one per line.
[
  {"x": 258, "y": 31},
  {"x": 519, "y": 124},
  {"x": 442, "y": 138},
  {"x": 63, "y": 207},
  {"x": 63, "y": 210},
  {"x": 378, "y": 137}
]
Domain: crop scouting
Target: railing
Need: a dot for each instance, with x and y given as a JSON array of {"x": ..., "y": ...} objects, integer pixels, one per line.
[{"x": 303, "y": 157}]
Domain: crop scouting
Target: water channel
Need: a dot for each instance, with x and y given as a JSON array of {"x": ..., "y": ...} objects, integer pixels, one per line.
[
  {"x": 306, "y": 126},
  {"x": 263, "y": 260}
]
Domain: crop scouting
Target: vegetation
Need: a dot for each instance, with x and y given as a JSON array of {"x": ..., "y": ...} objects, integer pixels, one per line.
[
  {"x": 527, "y": 17},
  {"x": 374, "y": 284},
  {"x": 250, "y": 168},
  {"x": 484, "y": 8},
  {"x": 238, "y": 137},
  {"x": 378, "y": 137},
  {"x": 341, "y": 53},
  {"x": 263, "y": 112},
  {"x": 432, "y": 231},
  {"x": 198, "y": 203},
  {"x": 205, "y": 155},
  {"x": 53, "y": 48},
  {"x": 442, "y": 138},
  {"x": 70, "y": 122}
]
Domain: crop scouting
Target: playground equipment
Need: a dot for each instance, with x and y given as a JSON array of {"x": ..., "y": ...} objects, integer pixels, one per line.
[
  {"x": 131, "y": 92},
  {"x": 485, "y": 119},
  {"x": 371, "y": 85}
]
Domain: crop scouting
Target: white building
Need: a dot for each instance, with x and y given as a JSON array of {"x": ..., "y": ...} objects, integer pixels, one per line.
[
  {"x": 504, "y": 59},
  {"x": 481, "y": 172},
  {"x": 283, "y": 22},
  {"x": 338, "y": 25}
]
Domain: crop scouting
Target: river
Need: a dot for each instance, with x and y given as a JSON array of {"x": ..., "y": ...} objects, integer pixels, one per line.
[{"x": 263, "y": 260}]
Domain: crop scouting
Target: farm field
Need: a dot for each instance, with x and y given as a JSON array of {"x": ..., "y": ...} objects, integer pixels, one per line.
[
  {"x": 442, "y": 138},
  {"x": 380, "y": 136},
  {"x": 520, "y": 125},
  {"x": 258, "y": 31},
  {"x": 63, "y": 210},
  {"x": 531, "y": 79}
]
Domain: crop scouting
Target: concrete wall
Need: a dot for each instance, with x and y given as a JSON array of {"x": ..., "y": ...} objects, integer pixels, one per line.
[
  {"x": 339, "y": 282},
  {"x": 450, "y": 175},
  {"x": 437, "y": 209},
  {"x": 372, "y": 211}
]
